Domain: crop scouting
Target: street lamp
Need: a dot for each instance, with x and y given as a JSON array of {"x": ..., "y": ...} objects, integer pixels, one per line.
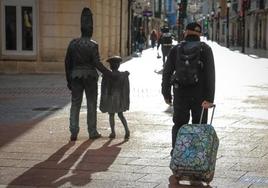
[
  {"x": 179, "y": 21},
  {"x": 182, "y": 8},
  {"x": 227, "y": 25},
  {"x": 244, "y": 3},
  {"x": 218, "y": 24},
  {"x": 208, "y": 24},
  {"x": 212, "y": 25}
]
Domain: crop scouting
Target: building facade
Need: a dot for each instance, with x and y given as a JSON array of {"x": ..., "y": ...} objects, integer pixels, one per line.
[
  {"x": 34, "y": 34},
  {"x": 248, "y": 22},
  {"x": 149, "y": 15}
]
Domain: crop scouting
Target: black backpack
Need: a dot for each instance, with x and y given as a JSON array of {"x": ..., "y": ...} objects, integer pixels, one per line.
[
  {"x": 188, "y": 64},
  {"x": 167, "y": 38}
]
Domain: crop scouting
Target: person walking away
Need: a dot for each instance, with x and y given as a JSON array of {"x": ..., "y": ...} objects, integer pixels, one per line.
[
  {"x": 82, "y": 59},
  {"x": 140, "y": 40},
  {"x": 165, "y": 41},
  {"x": 115, "y": 95},
  {"x": 190, "y": 70},
  {"x": 153, "y": 38}
]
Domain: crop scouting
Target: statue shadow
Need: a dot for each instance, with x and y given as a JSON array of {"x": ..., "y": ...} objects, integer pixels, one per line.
[
  {"x": 70, "y": 169},
  {"x": 173, "y": 183}
]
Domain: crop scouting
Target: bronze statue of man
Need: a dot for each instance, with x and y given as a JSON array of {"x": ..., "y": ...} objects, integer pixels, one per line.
[{"x": 81, "y": 61}]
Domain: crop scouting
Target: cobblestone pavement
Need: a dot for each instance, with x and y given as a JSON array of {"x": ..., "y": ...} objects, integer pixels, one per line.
[{"x": 34, "y": 138}]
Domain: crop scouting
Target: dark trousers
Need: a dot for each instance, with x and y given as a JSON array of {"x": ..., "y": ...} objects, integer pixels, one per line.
[
  {"x": 122, "y": 118},
  {"x": 79, "y": 85},
  {"x": 153, "y": 43},
  {"x": 182, "y": 108},
  {"x": 165, "y": 52}
]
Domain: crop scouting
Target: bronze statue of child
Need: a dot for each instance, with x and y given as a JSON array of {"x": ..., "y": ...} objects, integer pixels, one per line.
[{"x": 115, "y": 95}]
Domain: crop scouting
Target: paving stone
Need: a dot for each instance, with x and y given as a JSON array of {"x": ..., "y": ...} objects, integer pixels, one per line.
[{"x": 34, "y": 136}]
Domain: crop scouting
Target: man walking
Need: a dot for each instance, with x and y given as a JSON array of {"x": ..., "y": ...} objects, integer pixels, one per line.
[
  {"x": 140, "y": 40},
  {"x": 81, "y": 61},
  {"x": 165, "y": 41},
  {"x": 190, "y": 69}
]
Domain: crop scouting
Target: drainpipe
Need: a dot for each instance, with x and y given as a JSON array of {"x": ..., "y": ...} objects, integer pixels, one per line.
[{"x": 120, "y": 39}]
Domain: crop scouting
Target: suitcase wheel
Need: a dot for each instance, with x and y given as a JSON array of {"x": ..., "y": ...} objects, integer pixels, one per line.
[{"x": 207, "y": 182}]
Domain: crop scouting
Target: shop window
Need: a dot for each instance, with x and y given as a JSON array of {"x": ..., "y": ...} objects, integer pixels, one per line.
[{"x": 18, "y": 27}]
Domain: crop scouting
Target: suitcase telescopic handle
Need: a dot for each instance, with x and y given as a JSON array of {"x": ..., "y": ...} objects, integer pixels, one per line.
[{"x": 202, "y": 114}]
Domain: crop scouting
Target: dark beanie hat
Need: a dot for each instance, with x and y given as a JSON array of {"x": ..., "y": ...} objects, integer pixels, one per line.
[{"x": 194, "y": 27}]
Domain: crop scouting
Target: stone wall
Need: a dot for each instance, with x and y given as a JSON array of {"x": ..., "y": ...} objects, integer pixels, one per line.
[{"x": 58, "y": 22}]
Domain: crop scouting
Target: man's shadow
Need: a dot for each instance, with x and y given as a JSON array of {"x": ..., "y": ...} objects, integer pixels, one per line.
[{"x": 75, "y": 168}]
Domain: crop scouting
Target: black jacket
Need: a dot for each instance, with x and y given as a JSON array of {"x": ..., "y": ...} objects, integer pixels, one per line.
[
  {"x": 82, "y": 59},
  {"x": 205, "y": 88}
]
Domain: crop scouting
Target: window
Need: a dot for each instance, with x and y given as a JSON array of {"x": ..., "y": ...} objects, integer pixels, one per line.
[{"x": 18, "y": 27}]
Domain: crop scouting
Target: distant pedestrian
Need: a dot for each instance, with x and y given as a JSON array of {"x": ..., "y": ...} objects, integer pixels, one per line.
[
  {"x": 191, "y": 65},
  {"x": 153, "y": 38},
  {"x": 165, "y": 41},
  {"x": 140, "y": 40},
  {"x": 82, "y": 59},
  {"x": 115, "y": 95}
]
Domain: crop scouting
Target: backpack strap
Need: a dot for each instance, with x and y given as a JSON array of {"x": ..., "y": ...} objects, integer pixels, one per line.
[
  {"x": 202, "y": 46},
  {"x": 180, "y": 47}
]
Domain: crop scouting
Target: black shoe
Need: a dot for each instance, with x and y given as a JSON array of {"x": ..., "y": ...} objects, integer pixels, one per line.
[
  {"x": 73, "y": 137},
  {"x": 95, "y": 136},
  {"x": 127, "y": 135},
  {"x": 112, "y": 135}
]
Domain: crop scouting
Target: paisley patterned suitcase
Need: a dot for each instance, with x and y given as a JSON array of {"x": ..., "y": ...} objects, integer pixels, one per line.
[{"x": 195, "y": 152}]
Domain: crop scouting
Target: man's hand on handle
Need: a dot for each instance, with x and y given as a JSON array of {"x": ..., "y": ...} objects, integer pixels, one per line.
[
  {"x": 168, "y": 101},
  {"x": 207, "y": 104}
]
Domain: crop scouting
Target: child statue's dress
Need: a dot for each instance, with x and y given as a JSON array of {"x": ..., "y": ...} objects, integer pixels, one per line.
[{"x": 115, "y": 93}]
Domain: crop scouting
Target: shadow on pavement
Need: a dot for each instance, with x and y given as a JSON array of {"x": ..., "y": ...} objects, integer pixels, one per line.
[
  {"x": 21, "y": 121},
  {"x": 253, "y": 53},
  {"x": 26, "y": 100},
  {"x": 73, "y": 169}
]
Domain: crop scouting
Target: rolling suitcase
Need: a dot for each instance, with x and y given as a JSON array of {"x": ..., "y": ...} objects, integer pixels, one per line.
[{"x": 195, "y": 152}]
